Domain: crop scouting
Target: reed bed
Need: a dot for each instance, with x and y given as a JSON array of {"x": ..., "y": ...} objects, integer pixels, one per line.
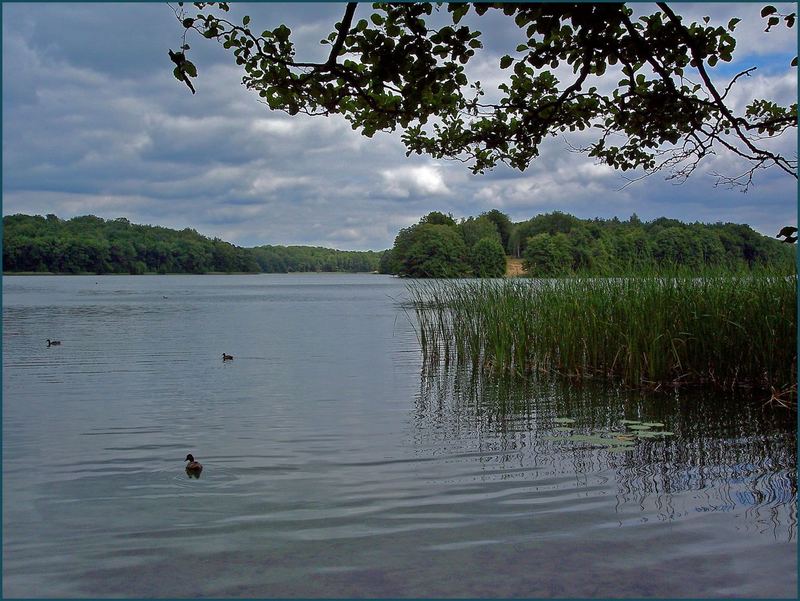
[{"x": 646, "y": 331}]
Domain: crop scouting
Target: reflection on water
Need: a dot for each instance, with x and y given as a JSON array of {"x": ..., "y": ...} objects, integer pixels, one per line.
[
  {"x": 333, "y": 469},
  {"x": 726, "y": 455}
]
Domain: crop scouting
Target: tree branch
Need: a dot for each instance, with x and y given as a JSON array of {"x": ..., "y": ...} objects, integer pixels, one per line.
[{"x": 347, "y": 21}]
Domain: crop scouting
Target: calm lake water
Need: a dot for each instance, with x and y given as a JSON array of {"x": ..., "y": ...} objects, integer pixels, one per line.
[{"x": 335, "y": 467}]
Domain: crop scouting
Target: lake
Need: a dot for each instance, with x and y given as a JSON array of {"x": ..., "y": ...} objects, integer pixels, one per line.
[{"x": 336, "y": 466}]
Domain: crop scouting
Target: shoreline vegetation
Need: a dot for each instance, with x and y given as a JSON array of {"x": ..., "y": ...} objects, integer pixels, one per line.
[
  {"x": 645, "y": 305},
  {"x": 557, "y": 244},
  {"x": 651, "y": 331},
  {"x": 89, "y": 245}
]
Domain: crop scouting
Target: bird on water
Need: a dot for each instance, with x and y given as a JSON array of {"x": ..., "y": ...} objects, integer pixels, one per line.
[
  {"x": 53, "y": 342},
  {"x": 227, "y": 357},
  {"x": 193, "y": 468}
]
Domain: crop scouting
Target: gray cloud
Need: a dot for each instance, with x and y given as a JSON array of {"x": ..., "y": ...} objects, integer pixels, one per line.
[{"x": 94, "y": 122}]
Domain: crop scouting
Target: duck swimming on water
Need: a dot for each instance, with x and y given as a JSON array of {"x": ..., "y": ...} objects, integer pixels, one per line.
[
  {"x": 226, "y": 357},
  {"x": 53, "y": 342},
  {"x": 193, "y": 468}
]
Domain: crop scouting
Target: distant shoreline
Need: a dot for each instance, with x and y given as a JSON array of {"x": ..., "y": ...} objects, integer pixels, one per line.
[{"x": 51, "y": 273}]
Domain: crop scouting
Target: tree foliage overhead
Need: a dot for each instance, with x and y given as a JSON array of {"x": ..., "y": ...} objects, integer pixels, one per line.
[
  {"x": 89, "y": 244},
  {"x": 389, "y": 67}
]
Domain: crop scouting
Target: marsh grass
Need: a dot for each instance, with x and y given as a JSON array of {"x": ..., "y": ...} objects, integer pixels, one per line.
[{"x": 651, "y": 330}]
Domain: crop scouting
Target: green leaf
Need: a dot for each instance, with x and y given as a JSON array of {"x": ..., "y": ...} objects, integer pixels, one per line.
[
  {"x": 246, "y": 20},
  {"x": 190, "y": 69},
  {"x": 768, "y": 10},
  {"x": 459, "y": 11},
  {"x": 505, "y": 62},
  {"x": 794, "y": 62},
  {"x": 732, "y": 23}
]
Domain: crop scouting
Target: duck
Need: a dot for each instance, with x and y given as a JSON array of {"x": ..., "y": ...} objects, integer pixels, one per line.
[
  {"x": 226, "y": 357},
  {"x": 53, "y": 342},
  {"x": 193, "y": 468}
]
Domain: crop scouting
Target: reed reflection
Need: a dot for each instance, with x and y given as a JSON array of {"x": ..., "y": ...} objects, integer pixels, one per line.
[{"x": 721, "y": 454}]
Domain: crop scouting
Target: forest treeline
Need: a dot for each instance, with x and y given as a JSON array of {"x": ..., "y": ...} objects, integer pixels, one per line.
[
  {"x": 89, "y": 244},
  {"x": 557, "y": 244}
]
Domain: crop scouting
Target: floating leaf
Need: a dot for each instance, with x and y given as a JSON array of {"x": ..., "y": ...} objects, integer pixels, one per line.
[
  {"x": 630, "y": 421},
  {"x": 653, "y": 424},
  {"x": 564, "y": 420},
  {"x": 667, "y": 433},
  {"x": 639, "y": 427},
  {"x": 648, "y": 434},
  {"x": 621, "y": 443}
]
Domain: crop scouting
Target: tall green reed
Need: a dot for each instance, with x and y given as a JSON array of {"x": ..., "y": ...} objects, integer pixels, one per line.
[{"x": 654, "y": 329}]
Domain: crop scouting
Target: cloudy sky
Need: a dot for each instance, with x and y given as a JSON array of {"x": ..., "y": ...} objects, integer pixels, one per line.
[{"x": 94, "y": 123}]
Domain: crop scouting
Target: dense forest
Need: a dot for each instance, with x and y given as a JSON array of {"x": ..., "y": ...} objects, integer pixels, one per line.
[
  {"x": 557, "y": 244},
  {"x": 90, "y": 244}
]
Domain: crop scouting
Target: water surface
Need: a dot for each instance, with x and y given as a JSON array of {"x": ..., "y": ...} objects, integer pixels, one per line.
[{"x": 335, "y": 466}]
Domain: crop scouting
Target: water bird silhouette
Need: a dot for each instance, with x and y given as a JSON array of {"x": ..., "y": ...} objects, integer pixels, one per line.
[
  {"x": 53, "y": 342},
  {"x": 193, "y": 468},
  {"x": 226, "y": 357}
]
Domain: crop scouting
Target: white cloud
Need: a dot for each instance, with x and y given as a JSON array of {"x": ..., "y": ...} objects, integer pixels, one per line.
[{"x": 425, "y": 179}]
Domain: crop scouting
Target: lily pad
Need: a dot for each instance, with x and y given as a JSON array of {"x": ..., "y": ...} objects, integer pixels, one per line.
[
  {"x": 564, "y": 420},
  {"x": 665, "y": 433},
  {"x": 630, "y": 421},
  {"x": 648, "y": 434},
  {"x": 639, "y": 427},
  {"x": 621, "y": 443},
  {"x": 653, "y": 424}
]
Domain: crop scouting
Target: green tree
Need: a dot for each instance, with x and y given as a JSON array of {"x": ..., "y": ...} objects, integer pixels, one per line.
[
  {"x": 659, "y": 107},
  {"x": 487, "y": 258},
  {"x": 547, "y": 255},
  {"x": 503, "y": 224},
  {"x": 429, "y": 250},
  {"x": 438, "y": 218},
  {"x": 474, "y": 229},
  {"x": 676, "y": 246}
]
